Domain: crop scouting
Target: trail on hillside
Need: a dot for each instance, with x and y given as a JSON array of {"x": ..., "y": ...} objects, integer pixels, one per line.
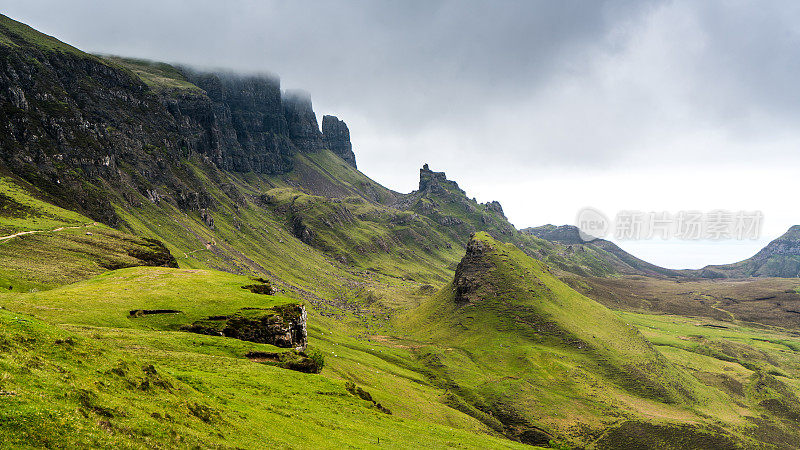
[{"x": 22, "y": 233}]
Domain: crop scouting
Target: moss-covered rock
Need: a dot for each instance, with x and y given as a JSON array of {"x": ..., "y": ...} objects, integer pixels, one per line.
[{"x": 282, "y": 326}]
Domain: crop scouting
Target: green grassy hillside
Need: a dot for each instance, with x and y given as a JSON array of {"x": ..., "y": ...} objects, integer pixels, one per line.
[
  {"x": 104, "y": 378},
  {"x": 512, "y": 342},
  {"x": 13, "y": 33},
  {"x": 779, "y": 258},
  {"x": 87, "y": 387},
  {"x": 43, "y": 246}
]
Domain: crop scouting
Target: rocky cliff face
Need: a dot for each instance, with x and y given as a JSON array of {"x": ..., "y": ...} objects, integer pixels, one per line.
[
  {"x": 470, "y": 276},
  {"x": 67, "y": 118},
  {"x": 239, "y": 123},
  {"x": 75, "y": 125},
  {"x": 336, "y": 137},
  {"x": 302, "y": 122},
  {"x": 282, "y": 326}
]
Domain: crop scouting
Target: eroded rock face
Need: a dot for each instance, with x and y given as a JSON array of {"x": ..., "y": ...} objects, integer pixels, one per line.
[
  {"x": 285, "y": 329},
  {"x": 240, "y": 124},
  {"x": 786, "y": 245},
  {"x": 470, "y": 277},
  {"x": 60, "y": 110},
  {"x": 436, "y": 182},
  {"x": 282, "y": 326},
  {"x": 69, "y": 119},
  {"x": 336, "y": 137},
  {"x": 303, "y": 127},
  {"x": 495, "y": 207}
]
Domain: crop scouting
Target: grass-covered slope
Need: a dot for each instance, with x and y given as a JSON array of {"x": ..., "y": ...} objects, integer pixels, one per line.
[
  {"x": 160, "y": 77},
  {"x": 512, "y": 352},
  {"x": 16, "y": 34},
  {"x": 779, "y": 258},
  {"x": 106, "y": 388},
  {"x": 102, "y": 377},
  {"x": 531, "y": 357},
  {"x": 42, "y": 245}
]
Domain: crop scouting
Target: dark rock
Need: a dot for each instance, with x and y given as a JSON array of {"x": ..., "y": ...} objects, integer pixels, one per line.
[
  {"x": 336, "y": 137},
  {"x": 282, "y": 326},
  {"x": 152, "y": 253},
  {"x": 147, "y": 312},
  {"x": 207, "y": 219},
  {"x": 240, "y": 125},
  {"x": 495, "y": 207},
  {"x": 302, "y": 122},
  {"x": 292, "y": 360},
  {"x": 471, "y": 273},
  {"x": 302, "y": 231},
  {"x": 364, "y": 395},
  {"x": 431, "y": 181}
]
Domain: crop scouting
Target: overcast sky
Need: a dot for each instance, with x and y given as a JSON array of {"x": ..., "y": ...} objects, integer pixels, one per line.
[{"x": 546, "y": 106}]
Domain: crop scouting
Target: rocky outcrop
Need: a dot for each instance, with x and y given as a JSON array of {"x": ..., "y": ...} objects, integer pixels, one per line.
[
  {"x": 282, "y": 326},
  {"x": 495, "y": 207},
  {"x": 443, "y": 201},
  {"x": 336, "y": 138},
  {"x": 471, "y": 273},
  {"x": 239, "y": 123},
  {"x": 301, "y": 120},
  {"x": 436, "y": 182}
]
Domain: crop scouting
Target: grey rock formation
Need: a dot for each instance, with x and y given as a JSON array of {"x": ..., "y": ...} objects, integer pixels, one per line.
[
  {"x": 495, "y": 207},
  {"x": 336, "y": 137},
  {"x": 471, "y": 273},
  {"x": 239, "y": 124},
  {"x": 431, "y": 181},
  {"x": 301, "y": 120},
  {"x": 282, "y": 326}
]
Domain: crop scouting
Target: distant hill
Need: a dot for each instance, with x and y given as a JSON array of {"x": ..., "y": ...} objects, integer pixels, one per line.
[
  {"x": 621, "y": 261},
  {"x": 780, "y": 258}
]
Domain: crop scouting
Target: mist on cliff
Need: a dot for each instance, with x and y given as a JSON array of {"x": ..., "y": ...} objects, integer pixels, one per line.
[{"x": 545, "y": 106}]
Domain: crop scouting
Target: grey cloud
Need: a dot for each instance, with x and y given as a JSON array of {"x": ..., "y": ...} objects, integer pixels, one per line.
[{"x": 529, "y": 82}]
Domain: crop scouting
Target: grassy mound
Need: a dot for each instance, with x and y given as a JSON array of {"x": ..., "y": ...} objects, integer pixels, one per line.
[{"x": 525, "y": 353}]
